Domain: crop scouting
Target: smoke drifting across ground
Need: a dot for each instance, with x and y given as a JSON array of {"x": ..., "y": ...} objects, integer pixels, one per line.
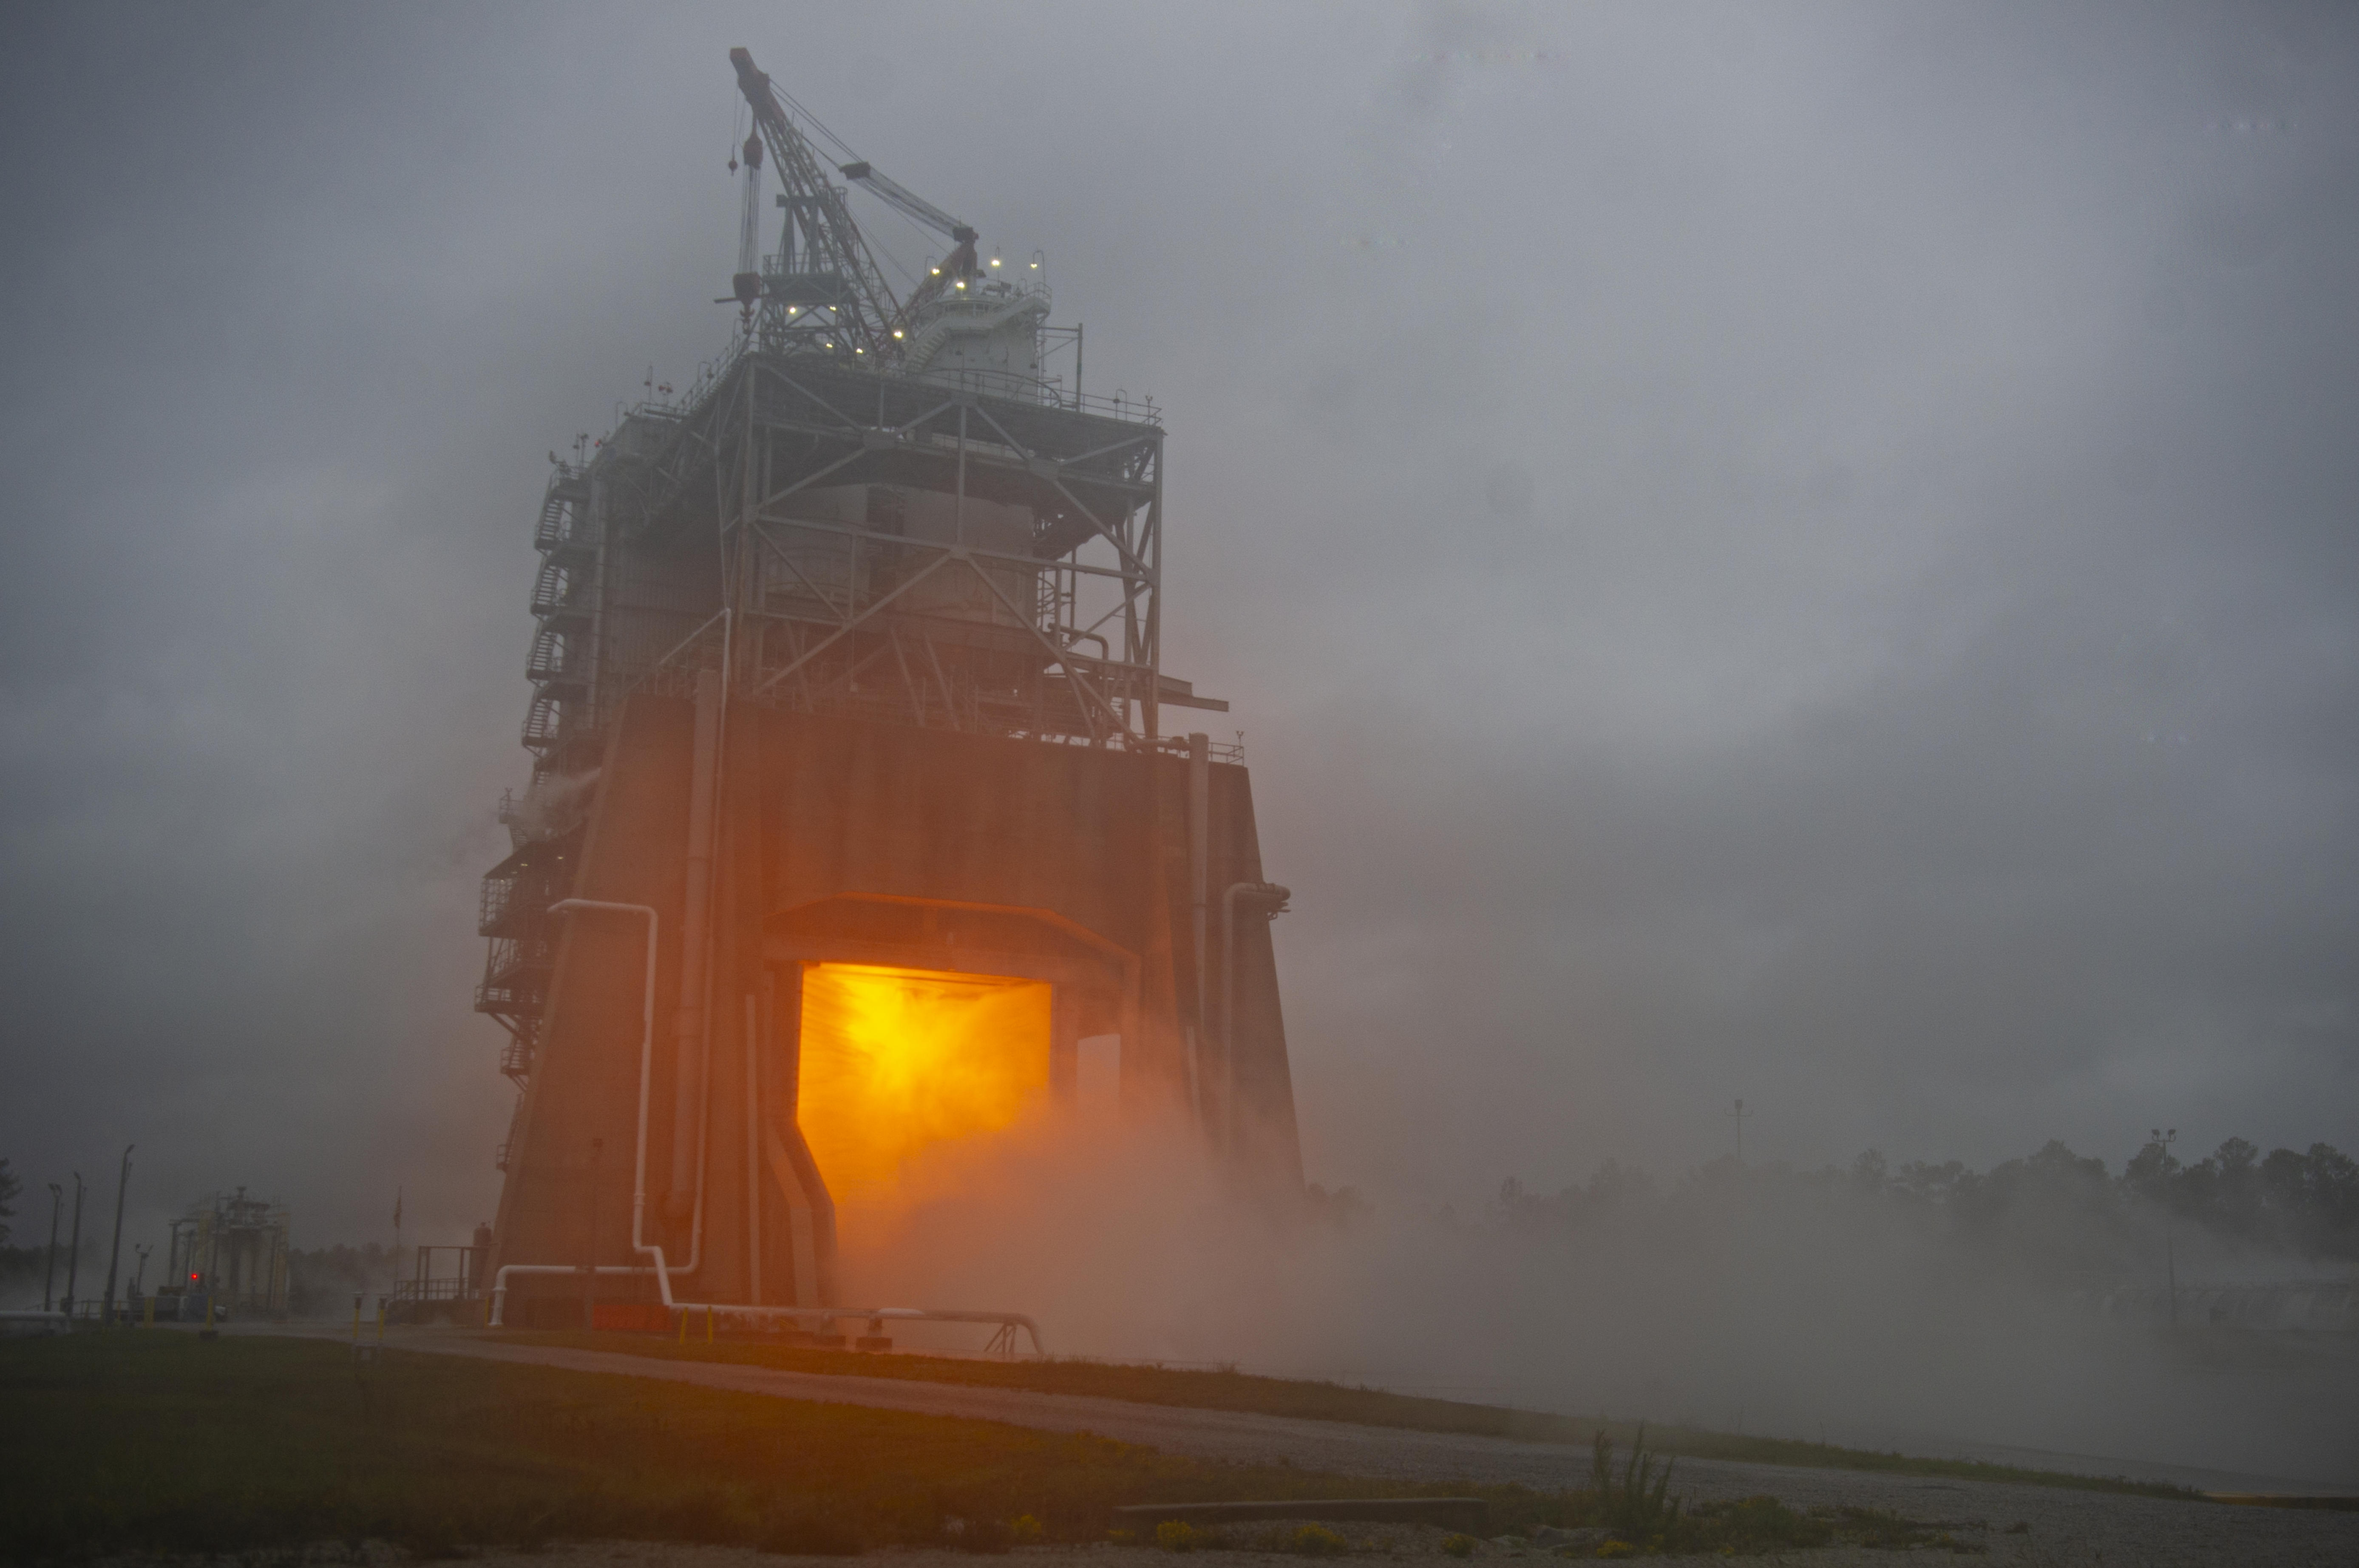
[{"x": 1740, "y": 1299}]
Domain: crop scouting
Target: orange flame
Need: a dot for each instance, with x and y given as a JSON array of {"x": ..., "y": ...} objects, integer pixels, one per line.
[{"x": 894, "y": 1061}]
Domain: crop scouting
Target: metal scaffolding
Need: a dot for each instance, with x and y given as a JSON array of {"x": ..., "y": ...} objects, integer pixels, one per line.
[
  {"x": 871, "y": 507},
  {"x": 835, "y": 540}
]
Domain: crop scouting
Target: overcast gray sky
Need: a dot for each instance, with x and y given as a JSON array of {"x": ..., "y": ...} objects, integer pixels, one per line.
[{"x": 1802, "y": 552}]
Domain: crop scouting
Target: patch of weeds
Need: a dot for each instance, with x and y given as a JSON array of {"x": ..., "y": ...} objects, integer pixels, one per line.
[
  {"x": 1638, "y": 1505},
  {"x": 1749, "y": 1525},
  {"x": 1459, "y": 1546},
  {"x": 1308, "y": 1540},
  {"x": 1177, "y": 1535}
]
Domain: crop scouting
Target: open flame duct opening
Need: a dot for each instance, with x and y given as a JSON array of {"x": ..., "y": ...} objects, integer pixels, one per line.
[{"x": 893, "y": 1062}]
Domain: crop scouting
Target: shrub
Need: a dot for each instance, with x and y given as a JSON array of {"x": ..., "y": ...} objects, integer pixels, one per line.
[{"x": 1315, "y": 1541}]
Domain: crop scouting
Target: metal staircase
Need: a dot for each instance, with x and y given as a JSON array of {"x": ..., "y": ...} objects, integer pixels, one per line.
[{"x": 512, "y": 910}]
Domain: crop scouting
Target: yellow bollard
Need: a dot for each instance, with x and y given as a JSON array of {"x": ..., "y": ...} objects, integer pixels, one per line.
[{"x": 147, "y": 1317}]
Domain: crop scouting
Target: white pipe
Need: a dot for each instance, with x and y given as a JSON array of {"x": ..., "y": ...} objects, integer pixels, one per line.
[
  {"x": 659, "y": 1269},
  {"x": 1200, "y": 757}
]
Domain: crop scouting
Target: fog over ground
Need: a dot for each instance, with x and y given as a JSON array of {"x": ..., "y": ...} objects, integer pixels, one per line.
[{"x": 1796, "y": 552}]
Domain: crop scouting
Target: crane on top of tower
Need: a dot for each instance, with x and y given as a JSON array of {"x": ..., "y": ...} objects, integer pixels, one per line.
[
  {"x": 957, "y": 267},
  {"x": 827, "y": 292}
]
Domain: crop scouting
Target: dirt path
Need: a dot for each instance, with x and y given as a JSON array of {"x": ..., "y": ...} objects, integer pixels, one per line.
[{"x": 2067, "y": 1526}]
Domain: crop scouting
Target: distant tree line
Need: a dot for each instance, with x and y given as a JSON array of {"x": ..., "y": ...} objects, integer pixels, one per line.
[{"x": 2055, "y": 1210}]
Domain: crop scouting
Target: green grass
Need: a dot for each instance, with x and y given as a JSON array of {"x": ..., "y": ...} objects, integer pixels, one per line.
[
  {"x": 1324, "y": 1402},
  {"x": 160, "y": 1440}
]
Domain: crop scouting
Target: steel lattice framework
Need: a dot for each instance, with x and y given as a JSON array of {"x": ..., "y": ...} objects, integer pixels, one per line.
[
  {"x": 837, "y": 520},
  {"x": 1053, "y": 636},
  {"x": 692, "y": 541}
]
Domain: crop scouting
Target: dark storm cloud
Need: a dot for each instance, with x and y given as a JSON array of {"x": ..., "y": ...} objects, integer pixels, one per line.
[{"x": 1802, "y": 552}]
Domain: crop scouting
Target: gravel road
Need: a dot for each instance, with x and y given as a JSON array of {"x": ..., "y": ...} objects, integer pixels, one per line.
[{"x": 2067, "y": 1528}]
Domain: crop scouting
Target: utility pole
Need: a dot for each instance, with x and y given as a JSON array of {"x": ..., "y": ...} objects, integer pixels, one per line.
[
  {"x": 114, "y": 1247},
  {"x": 73, "y": 1258},
  {"x": 50, "y": 1274},
  {"x": 1738, "y": 1114}
]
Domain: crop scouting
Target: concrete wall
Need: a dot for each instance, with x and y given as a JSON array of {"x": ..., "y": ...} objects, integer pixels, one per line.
[{"x": 841, "y": 838}]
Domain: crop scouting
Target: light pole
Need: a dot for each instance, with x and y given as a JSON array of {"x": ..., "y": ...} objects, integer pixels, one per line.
[
  {"x": 114, "y": 1247},
  {"x": 139, "y": 1275},
  {"x": 74, "y": 1257},
  {"x": 50, "y": 1274}
]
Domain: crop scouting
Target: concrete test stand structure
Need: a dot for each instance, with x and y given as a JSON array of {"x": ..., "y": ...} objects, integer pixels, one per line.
[{"x": 847, "y": 674}]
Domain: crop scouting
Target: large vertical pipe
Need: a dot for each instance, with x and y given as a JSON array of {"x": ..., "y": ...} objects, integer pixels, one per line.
[
  {"x": 1199, "y": 861},
  {"x": 695, "y": 944},
  {"x": 753, "y": 1152}
]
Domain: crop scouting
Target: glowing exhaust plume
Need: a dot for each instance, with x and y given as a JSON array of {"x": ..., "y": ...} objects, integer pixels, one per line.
[{"x": 894, "y": 1061}]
